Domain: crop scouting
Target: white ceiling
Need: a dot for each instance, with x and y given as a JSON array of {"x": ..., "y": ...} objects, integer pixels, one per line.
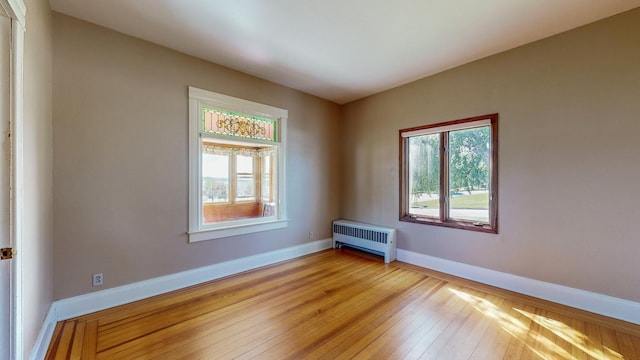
[{"x": 341, "y": 50}]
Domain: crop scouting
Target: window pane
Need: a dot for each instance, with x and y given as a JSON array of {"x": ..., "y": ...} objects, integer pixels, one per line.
[
  {"x": 234, "y": 124},
  {"x": 244, "y": 164},
  {"x": 215, "y": 178},
  {"x": 424, "y": 175},
  {"x": 245, "y": 186},
  {"x": 469, "y": 153}
]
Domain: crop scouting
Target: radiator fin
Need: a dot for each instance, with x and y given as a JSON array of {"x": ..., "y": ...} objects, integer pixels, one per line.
[{"x": 366, "y": 234}]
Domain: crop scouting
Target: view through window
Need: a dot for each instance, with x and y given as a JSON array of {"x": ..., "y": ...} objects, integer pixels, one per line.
[{"x": 236, "y": 181}]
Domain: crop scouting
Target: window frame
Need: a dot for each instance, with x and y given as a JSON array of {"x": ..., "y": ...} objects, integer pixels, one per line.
[
  {"x": 237, "y": 175},
  {"x": 262, "y": 173},
  {"x": 199, "y": 99},
  {"x": 444, "y": 218}
]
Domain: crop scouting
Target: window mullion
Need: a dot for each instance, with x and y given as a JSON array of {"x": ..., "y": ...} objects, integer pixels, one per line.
[
  {"x": 233, "y": 179},
  {"x": 444, "y": 176},
  {"x": 405, "y": 193},
  {"x": 257, "y": 177},
  {"x": 272, "y": 173}
]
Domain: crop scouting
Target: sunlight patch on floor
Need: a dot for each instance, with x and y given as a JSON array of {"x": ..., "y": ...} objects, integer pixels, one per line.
[
  {"x": 572, "y": 336},
  {"x": 548, "y": 348}
]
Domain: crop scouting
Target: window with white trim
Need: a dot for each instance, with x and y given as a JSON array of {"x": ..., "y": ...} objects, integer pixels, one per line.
[
  {"x": 449, "y": 174},
  {"x": 236, "y": 166}
]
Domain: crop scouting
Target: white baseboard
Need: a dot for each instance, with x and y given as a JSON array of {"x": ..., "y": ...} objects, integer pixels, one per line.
[
  {"x": 597, "y": 303},
  {"x": 104, "y": 299},
  {"x": 100, "y": 300},
  {"x": 39, "y": 349}
]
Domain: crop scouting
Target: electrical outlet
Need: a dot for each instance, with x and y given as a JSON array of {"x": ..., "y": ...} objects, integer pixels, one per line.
[
  {"x": 97, "y": 279},
  {"x": 310, "y": 234}
]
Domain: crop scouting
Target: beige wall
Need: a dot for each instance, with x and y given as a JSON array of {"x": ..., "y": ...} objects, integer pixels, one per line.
[
  {"x": 568, "y": 153},
  {"x": 569, "y": 147},
  {"x": 36, "y": 249},
  {"x": 120, "y": 159}
]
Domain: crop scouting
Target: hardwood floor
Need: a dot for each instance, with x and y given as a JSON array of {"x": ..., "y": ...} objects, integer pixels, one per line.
[{"x": 340, "y": 304}]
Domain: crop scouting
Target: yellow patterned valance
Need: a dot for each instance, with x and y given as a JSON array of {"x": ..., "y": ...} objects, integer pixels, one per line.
[{"x": 209, "y": 148}]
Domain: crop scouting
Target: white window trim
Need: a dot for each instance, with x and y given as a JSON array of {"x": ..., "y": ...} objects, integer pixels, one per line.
[{"x": 197, "y": 99}]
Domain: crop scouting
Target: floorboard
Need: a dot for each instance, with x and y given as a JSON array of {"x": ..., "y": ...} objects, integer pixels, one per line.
[{"x": 341, "y": 304}]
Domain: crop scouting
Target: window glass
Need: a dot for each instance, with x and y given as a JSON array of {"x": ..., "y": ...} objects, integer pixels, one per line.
[
  {"x": 246, "y": 185},
  {"x": 233, "y": 124},
  {"x": 231, "y": 174},
  {"x": 424, "y": 175},
  {"x": 215, "y": 178},
  {"x": 469, "y": 174}
]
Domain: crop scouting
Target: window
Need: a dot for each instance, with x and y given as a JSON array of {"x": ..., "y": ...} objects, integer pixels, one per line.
[
  {"x": 449, "y": 174},
  {"x": 236, "y": 166}
]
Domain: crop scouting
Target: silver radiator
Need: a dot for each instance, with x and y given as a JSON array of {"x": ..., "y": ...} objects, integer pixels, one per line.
[{"x": 375, "y": 239}]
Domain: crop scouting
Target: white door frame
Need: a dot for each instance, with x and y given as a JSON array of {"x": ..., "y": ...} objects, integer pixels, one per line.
[{"x": 17, "y": 11}]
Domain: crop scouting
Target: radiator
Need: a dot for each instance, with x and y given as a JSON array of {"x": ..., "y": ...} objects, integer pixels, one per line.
[{"x": 374, "y": 239}]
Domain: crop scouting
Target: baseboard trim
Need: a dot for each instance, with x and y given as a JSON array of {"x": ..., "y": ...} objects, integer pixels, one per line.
[
  {"x": 40, "y": 347},
  {"x": 100, "y": 300},
  {"x": 64, "y": 309},
  {"x": 104, "y": 299},
  {"x": 610, "y": 306}
]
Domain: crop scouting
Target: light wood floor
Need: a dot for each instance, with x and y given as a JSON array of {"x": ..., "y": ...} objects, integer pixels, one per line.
[{"x": 338, "y": 304}]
